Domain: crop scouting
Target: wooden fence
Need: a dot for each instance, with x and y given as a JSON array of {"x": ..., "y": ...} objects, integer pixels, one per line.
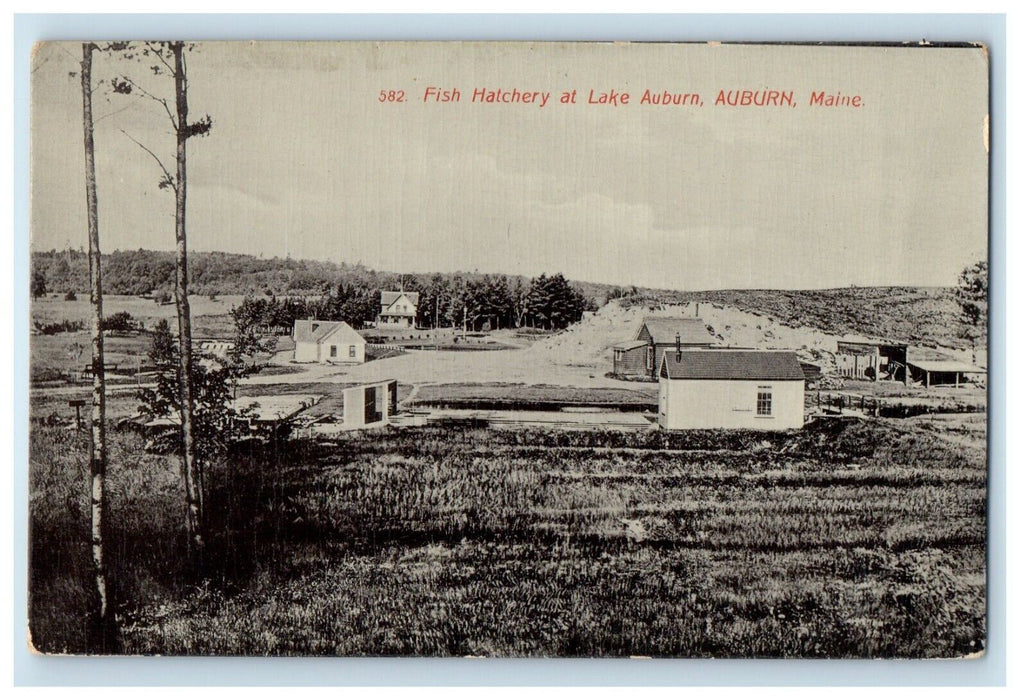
[{"x": 855, "y": 366}]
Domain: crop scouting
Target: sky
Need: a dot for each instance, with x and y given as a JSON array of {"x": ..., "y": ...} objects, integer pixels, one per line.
[{"x": 305, "y": 160}]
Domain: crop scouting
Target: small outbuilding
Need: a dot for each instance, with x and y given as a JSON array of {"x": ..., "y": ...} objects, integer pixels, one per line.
[
  {"x": 863, "y": 358},
  {"x": 754, "y": 389},
  {"x": 369, "y": 404},
  {"x": 330, "y": 342},
  {"x": 640, "y": 357}
]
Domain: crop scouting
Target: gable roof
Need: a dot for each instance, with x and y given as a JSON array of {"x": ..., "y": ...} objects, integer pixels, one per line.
[
  {"x": 389, "y": 298},
  {"x": 731, "y": 364},
  {"x": 664, "y": 331},
  {"x": 309, "y": 331},
  {"x": 344, "y": 333}
]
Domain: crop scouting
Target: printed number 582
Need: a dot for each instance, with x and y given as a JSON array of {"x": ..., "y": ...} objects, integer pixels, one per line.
[{"x": 391, "y": 96}]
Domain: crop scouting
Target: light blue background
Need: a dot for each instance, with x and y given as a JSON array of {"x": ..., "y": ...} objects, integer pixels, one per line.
[{"x": 990, "y": 29}]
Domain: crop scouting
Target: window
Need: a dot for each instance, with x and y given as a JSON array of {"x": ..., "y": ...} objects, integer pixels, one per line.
[
  {"x": 650, "y": 358},
  {"x": 352, "y": 350},
  {"x": 332, "y": 351},
  {"x": 618, "y": 355},
  {"x": 763, "y": 401}
]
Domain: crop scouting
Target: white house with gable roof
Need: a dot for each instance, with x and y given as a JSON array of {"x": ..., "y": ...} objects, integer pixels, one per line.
[
  {"x": 331, "y": 342},
  {"x": 398, "y": 310},
  {"x": 754, "y": 389}
]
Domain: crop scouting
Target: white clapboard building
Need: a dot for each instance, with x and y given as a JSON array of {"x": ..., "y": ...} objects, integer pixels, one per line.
[
  {"x": 755, "y": 389},
  {"x": 398, "y": 310},
  {"x": 331, "y": 342}
]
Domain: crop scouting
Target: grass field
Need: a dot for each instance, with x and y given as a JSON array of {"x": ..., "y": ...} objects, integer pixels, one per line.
[
  {"x": 51, "y": 309},
  {"x": 847, "y": 539},
  {"x": 59, "y": 358}
]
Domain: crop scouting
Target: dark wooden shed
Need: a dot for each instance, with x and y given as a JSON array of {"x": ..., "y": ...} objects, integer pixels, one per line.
[{"x": 640, "y": 357}]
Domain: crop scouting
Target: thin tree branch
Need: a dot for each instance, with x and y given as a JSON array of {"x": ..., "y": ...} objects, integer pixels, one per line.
[
  {"x": 111, "y": 114},
  {"x": 157, "y": 50},
  {"x": 170, "y": 180},
  {"x": 159, "y": 100}
]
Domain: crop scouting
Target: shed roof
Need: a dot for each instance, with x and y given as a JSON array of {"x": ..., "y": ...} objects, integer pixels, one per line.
[
  {"x": 922, "y": 353},
  {"x": 946, "y": 366},
  {"x": 731, "y": 364},
  {"x": 664, "y": 331},
  {"x": 389, "y": 298},
  {"x": 630, "y": 345}
]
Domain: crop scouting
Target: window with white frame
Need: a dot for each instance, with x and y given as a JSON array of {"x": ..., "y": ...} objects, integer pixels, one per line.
[
  {"x": 352, "y": 350},
  {"x": 764, "y": 401},
  {"x": 333, "y": 351}
]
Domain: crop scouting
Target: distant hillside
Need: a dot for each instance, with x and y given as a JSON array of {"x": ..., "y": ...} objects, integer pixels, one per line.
[
  {"x": 148, "y": 271},
  {"x": 139, "y": 272},
  {"x": 926, "y": 315},
  {"x": 918, "y": 314}
]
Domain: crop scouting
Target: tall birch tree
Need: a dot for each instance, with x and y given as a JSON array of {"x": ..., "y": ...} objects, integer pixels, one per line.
[
  {"x": 102, "y": 622},
  {"x": 170, "y": 58}
]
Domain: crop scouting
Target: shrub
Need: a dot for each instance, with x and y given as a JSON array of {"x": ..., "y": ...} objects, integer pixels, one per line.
[
  {"x": 64, "y": 326},
  {"x": 120, "y": 322}
]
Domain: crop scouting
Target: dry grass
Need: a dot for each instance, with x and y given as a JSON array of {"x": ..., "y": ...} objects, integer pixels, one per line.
[{"x": 844, "y": 540}]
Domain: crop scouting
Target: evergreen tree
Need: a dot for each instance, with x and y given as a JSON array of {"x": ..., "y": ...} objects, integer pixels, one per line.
[{"x": 972, "y": 293}]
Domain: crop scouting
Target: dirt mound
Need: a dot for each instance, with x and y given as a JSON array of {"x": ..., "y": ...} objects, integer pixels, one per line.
[{"x": 590, "y": 342}]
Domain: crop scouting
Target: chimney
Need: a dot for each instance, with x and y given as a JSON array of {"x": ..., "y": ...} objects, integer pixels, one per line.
[{"x": 677, "y": 345}]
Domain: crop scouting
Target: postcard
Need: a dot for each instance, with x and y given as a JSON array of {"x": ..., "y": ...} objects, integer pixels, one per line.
[{"x": 509, "y": 349}]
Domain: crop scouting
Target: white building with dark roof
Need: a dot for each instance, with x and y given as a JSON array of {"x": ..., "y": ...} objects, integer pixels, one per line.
[
  {"x": 398, "y": 310},
  {"x": 753, "y": 389},
  {"x": 330, "y": 342}
]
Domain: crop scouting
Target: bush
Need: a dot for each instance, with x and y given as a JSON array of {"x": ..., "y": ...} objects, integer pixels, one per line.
[
  {"x": 64, "y": 326},
  {"x": 70, "y": 296},
  {"x": 121, "y": 322}
]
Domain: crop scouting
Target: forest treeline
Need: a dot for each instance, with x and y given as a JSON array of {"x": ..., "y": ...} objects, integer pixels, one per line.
[
  {"x": 476, "y": 303},
  {"x": 280, "y": 290}
]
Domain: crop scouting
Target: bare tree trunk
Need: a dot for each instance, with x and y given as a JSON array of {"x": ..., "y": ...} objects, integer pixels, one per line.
[
  {"x": 190, "y": 466},
  {"x": 102, "y": 627}
]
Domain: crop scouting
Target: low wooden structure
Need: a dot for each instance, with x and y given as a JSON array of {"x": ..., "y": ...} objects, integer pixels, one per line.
[
  {"x": 368, "y": 404},
  {"x": 872, "y": 359},
  {"x": 944, "y": 372}
]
